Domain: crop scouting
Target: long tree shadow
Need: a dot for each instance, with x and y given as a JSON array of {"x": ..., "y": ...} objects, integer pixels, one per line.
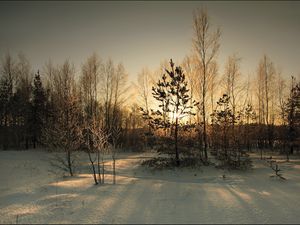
[{"x": 142, "y": 196}]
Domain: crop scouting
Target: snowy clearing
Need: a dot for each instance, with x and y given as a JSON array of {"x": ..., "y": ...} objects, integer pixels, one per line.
[{"x": 29, "y": 193}]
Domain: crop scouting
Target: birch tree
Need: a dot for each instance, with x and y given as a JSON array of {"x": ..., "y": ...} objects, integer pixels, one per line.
[
  {"x": 206, "y": 46},
  {"x": 65, "y": 133},
  {"x": 266, "y": 74}
]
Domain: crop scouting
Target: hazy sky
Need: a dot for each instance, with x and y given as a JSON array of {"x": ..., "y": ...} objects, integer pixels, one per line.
[{"x": 140, "y": 33}]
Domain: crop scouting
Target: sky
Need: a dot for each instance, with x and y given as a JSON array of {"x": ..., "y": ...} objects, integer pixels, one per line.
[{"x": 140, "y": 33}]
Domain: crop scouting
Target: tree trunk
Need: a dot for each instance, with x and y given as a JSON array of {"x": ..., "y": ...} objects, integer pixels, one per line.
[
  {"x": 114, "y": 170},
  {"x": 34, "y": 142},
  {"x": 99, "y": 168},
  {"x": 292, "y": 149},
  {"x": 26, "y": 143},
  {"x": 287, "y": 154},
  {"x": 203, "y": 109},
  {"x": 102, "y": 171},
  {"x": 69, "y": 163},
  {"x": 176, "y": 142},
  {"x": 93, "y": 167}
]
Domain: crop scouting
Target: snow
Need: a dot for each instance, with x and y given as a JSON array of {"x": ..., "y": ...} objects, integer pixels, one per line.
[{"x": 30, "y": 193}]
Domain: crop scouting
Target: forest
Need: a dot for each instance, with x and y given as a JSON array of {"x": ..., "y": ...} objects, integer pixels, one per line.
[
  {"x": 188, "y": 113},
  {"x": 193, "y": 106}
]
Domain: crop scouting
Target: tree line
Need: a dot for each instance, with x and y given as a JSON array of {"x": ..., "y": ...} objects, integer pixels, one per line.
[
  {"x": 194, "y": 107},
  {"x": 234, "y": 113}
]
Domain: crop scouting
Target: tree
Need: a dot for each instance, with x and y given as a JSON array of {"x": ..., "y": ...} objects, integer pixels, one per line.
[
  {"x": 293, "y": 114},
  {"x": 250, "y": 117},
  {"x": 144, "y": 88},
  {"x": 94, "y": 134},
  {"x": 21, "y": 101},
  {"x": 172, "y": 94},
  {"x": 224, "y": 119},
  {"x": 266, "y": 74},
  {"x": 116, "y": 132},
  {"x": 95, "y": 142},
  {"x": 188, "y": 65},
  {"x": 39, "y": 101},
  {"x": 282, "y": 96},
  {"x": 206, "y": 46},
  {"x": 65, "y": 133},
  {"x": 108, "y": 80},
  {"x": 144, "y": 92},
  {"x": 233, "y": 87},
  {"x": 114, "y": 90},
  {"x": 89, "y": 81},
  {"x": 15, "y": 94},
  {"x": 133, "y": 132}
]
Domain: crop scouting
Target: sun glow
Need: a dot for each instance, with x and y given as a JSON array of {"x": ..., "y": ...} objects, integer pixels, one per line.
[{"x": 181, "y": 118}]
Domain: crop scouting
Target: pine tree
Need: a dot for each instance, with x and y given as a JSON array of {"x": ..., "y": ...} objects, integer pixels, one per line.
[
  {"x": 4, "y": 103},
  {"x": 21, "y": 112},
  {"x": 293, "y": 114},
  {"x": 250, "y": 115},
  {"x": 5, "y": 96},
  {"x": 223, "y": 118},
  {"x": 230, "y": 153},
  {"x": 174, "y": 102},
  {"x": 38, "y": 115}
]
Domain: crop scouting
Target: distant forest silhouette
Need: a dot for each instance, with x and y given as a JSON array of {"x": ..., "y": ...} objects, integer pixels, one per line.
[{"x": 191, "y": 110}]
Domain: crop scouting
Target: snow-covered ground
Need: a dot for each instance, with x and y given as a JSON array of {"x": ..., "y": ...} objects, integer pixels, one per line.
[{"x": 29, "y": 193}]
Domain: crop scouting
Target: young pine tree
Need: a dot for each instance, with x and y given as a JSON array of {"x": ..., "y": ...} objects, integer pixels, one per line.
[{"x": 172, "y": 95}]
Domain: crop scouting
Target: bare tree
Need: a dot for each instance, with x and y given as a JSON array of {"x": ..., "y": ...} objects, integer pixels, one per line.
[
  {"x": 65, "y": 133},
  {"x": 49, "y": 70},
  {"x": 91, "y": 75},
  {"x": 119, "y": 93},
  {"x": 282, "y": 96},
  {"x": 96, "y": 144},
  {"x": 233, "y": 87},
  {"x": 266, "y": 74},
  {"x": 94, "y": 134},
  {"x": 144, "y": 88},
  {"x": 190, "y": 70},
  {"x": 114, "y": 89},
  {"x": 8, "y": 83},
  {"x": 206, "y": 46},
  {"x": 116, "y": 133},
  {"x": 212, "y": 83},
  {"x": 107, "y": 86},
  {"x": 8, "y": 80},
  {"x": 144, "y": 93}
]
